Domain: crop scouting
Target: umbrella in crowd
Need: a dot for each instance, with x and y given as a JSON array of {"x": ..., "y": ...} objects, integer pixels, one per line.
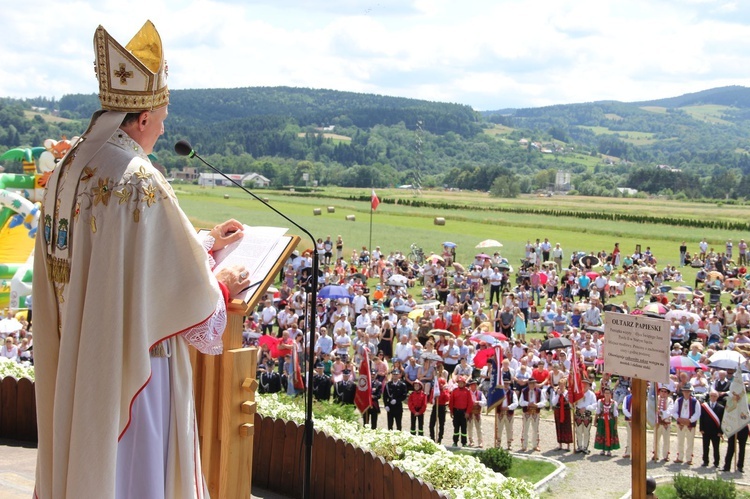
[
  {"x": 442, "y": 332},
  {"x": 416, "y": 313},
  {"x": 598, "y": 329},
  {"x": 396, "y": 280},
  {"x": 404, "y": 309},
  {"x": 483, "y": 256},
  {"x": 611, "y": 307},
  {"x": 252, "y": 335},
  {"x": 505, "y": 266},
  {"x": 8, "y": 326},
  {"x": 681, "y": 290},
  {"x": 732, "y": 282},
  {"x": 681, "y": 363},
  {"x": 482, "y": 356},
  {"x": 497, "y": 336},
  {"x": 680, "y": 313},
  {"x": 490, "y": 340},
  {"x": 333, "y": 292},
  {"x": 555, "y": 343},
  {"x": 431, "y": 356},
  {"x": 489, "y": 243},
  {"x": 713, "y": 275},
  {"x": 655, "y": 308},
  {"x": 437, "y": 257},
  {"x": 726, "y": 359},
  {"x": 359, "y": 276},
  {"x": 549, "y": 264},
  {"x": 543, "y": 278},
  {"x": 449, "y": 244},
  {"x": 592, "y": 275},
  {"x": 647, "y": 270},
  {"x": 459, "y": 268},
  {"x": 590, "y": 261}
]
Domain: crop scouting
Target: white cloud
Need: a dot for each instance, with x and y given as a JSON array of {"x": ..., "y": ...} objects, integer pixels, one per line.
[{"x": 487, "y": 53}]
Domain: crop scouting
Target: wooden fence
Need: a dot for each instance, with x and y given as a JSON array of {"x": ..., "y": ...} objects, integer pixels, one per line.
[
  {"x": 339, "y": 470},
  {"x": 17, "y": 409}
]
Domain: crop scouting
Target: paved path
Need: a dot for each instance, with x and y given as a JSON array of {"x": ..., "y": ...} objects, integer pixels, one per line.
[{"x": 597, "y": 476}]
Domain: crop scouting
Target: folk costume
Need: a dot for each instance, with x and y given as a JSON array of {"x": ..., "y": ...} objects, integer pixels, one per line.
[
  {"x": 460, "y": 403},
  {"x": 114, "y": 385},
  {"x": 686, "y": 410},
  {"x": 663, "y": 425},
  {"x": 606, "y": 438},
  {"x": 532, "y": 400},
  {"x": 504, "y": 416},
  {"x": 563, "y": 418},
  {"x": 584, "y": 416},
  {"x": 474, "y": 419}
]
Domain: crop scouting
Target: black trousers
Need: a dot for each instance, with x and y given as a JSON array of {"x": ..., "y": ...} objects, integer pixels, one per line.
[
  {"x": 437, "y": 416},
  {"x": 741, "y": 437},
  {"x": 370, "y": 417},
  {"x": 709, "y": 440},
  {"x": 459, "y": 427},
  {"x": 495, "y": 292},
  {"x": 395, "y": 412}
]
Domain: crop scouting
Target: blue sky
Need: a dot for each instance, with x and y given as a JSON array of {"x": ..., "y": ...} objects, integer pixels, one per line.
[{"x": 489, "y": 54}]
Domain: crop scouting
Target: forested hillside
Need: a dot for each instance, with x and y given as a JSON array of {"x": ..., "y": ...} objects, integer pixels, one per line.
[{"x": 691, "y": 146}]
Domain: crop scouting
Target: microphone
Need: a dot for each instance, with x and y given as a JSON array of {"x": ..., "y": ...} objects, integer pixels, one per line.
[{"x": 183, "y": 148}]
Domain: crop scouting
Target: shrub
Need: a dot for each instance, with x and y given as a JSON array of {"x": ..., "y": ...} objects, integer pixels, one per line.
[
  {"x": 498, "y": 460},
  {"x": 693, "y": 487}
]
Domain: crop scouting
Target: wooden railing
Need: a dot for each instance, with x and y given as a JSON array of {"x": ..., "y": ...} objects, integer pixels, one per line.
[
  {"x": 339, "y": 470},
  {"x": 17, "y": 409}
]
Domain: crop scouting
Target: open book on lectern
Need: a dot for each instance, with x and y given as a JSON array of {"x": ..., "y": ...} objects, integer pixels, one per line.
[{"x": 263, "y": 252}]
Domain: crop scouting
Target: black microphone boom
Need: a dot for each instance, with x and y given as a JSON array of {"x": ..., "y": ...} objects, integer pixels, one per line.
[{"x": 183, "y": 148}]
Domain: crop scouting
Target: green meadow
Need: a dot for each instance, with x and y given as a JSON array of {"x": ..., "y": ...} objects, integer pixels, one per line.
[{"x": 395, "y": 227}]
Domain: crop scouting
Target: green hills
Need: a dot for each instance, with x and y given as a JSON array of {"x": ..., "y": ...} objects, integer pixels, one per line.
[{"x": 691, "y": 146}]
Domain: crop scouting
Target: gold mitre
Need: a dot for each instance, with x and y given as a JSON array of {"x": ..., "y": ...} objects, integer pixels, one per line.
[{"x": 131, "y": 78}]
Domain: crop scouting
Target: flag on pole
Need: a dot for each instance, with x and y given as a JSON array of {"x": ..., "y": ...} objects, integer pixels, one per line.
[
  {"x": 736, "y": 410},
  {"x": 299, "y": 383},
  {"x": 363, "y": 397},
  {"x": 374, "y": 201},
  {"x": 575, "y": 386},
  {"x": 496, "y": 391}
]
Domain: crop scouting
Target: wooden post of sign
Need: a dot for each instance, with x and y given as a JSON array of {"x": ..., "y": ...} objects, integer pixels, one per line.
[{"x": 638, "y": 434}]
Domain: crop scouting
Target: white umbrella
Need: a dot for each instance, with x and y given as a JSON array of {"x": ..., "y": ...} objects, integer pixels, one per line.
[
  {"x": 647, "y": 270},
  {"x": 679, "y": 314},
  {"x": 489, "y": 243},
  {"x": 724, "y": 355},
  {"x": 680, "y": 290},
  {"x": 10, "y": 326},
  {"x": 397, "y": 280}
]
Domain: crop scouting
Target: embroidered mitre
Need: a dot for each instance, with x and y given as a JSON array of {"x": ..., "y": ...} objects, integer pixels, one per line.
[{"x": 131, "y": 78}]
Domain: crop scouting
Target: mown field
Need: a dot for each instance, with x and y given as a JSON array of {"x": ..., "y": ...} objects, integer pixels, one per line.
[{"x": 396, "y": 226}]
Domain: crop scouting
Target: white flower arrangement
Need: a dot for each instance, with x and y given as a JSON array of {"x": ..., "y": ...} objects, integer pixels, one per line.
[
  {"x": 460, "y": 476},
  {"x": 16, "y": 370}
]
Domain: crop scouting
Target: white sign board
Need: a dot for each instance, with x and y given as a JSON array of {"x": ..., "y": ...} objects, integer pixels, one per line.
[{"x": 636, "y": 346}]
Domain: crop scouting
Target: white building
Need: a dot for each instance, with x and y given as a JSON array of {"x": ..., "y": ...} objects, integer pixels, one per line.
[{"x": 214, "y": 179}]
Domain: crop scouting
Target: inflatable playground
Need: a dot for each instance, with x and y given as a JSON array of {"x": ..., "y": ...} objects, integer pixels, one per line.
[{"x": 20, "y": 200}]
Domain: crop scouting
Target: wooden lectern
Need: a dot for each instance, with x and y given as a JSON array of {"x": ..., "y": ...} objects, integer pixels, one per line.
[{"x": 224, "y": 387}]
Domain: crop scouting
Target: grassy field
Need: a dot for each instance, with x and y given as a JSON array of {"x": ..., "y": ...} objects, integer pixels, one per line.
[
  {"x": 394, "y": 227},
  {"x": 708, "y": 113}
]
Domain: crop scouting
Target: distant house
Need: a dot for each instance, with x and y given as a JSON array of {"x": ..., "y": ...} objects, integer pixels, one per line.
[
  {"x": 627, "y": 191},
  {"x": 523, "y": 142},
  {"x": 188, "y": 174},
  {"x": 257, "y": 179}
]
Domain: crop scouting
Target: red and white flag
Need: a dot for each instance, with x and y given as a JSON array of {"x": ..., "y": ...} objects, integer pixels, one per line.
[
  {"x": 575, "y": 386},
  {"x": 363, "y": 396},
  {"x": 374, "y": 201}
]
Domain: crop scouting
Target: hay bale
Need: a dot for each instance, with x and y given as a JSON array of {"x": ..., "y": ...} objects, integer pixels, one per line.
[
  {"x": 317, "y": 211},
  {"x": 265, "y": 199},
  {"x": 331, "y": 209},
  {"x": 350, "y": 218},
  {"x": 226, "y": 196},
  {"x": 439, "y": 221}
]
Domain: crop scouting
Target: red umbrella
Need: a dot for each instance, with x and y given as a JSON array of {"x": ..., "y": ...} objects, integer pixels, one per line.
[
  {"x": 482, "y": 255},
  {"x": 680, "y": 363},
  {"x": 592, "y": 275},
  {"x": 482, "y": 356},
  {"x": 543, "y": 278},
  {"x": 655, "y": 308},
  {"x": 499, "y": 336},
  {"x": 273, "y": 346}
]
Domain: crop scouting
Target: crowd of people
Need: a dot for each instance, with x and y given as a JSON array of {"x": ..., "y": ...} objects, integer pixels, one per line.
[
  {"x": 427, "y": 348},
  {"x": 18, "y": 344}
]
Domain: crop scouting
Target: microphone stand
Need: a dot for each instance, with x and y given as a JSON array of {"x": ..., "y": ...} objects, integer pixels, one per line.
[{"x": 183, "y": 148}]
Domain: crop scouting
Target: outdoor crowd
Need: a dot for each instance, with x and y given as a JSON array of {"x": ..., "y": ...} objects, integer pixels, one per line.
[
  {"x": 17, "y": 340},
  {"x": 462, "y": 349}
]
